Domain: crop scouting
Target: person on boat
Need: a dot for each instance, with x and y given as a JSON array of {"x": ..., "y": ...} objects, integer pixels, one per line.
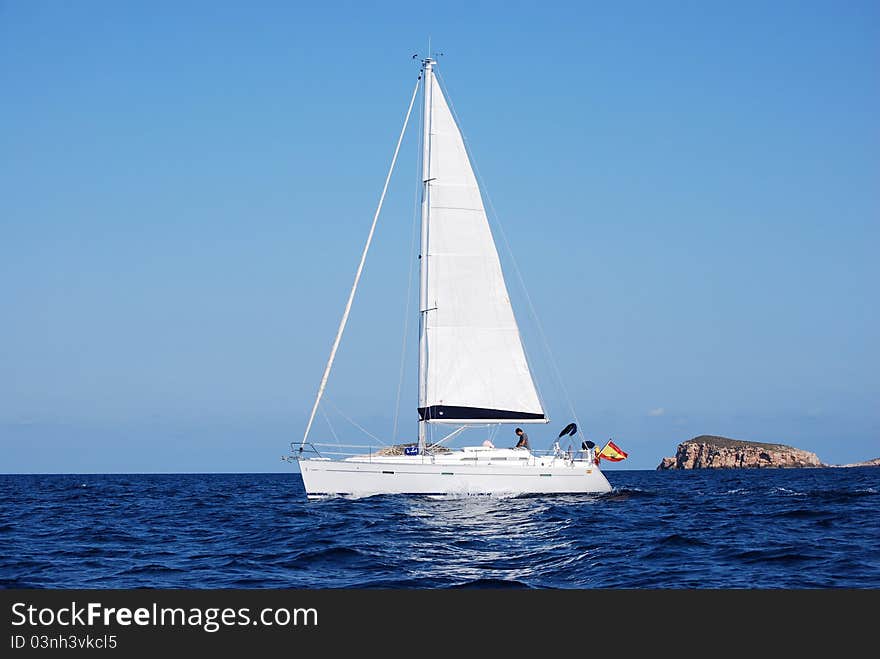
[
  {"x": 523, "y": 439},
  {"x": 590, "y": 449}
]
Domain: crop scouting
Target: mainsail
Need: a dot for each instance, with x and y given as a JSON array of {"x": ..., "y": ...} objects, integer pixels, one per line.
[{"x": 474, "y": 367}]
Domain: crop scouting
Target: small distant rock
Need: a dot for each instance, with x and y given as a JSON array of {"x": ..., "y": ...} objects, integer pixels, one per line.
[
  {"x": 668, "y": 463},
  {"x": 867, "y": 463},
  {"x": 712, "y": 452}
]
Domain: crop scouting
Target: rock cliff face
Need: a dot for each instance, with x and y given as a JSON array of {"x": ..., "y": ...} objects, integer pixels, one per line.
[{"x": 710, "y": 452}]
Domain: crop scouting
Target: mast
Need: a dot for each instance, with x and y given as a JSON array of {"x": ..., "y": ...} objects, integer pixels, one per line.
[{"x": 427, "y": 83}]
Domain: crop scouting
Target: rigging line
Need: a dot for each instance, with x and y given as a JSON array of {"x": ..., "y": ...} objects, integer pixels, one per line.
[
  {"x": 330, "y": 425},
  {"x": 455, "y": 432},
  {"x": 354, "y": 423},
  {"x": 519, "y": 277},
  {"x": 409, "y": 280},
  {"x": 360, "y": 270},
  {"x": 493, "y": 432},
  {"x": 537, "y": 320}
]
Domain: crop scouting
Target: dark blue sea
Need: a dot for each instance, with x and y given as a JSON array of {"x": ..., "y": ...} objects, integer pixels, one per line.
[{"x": 802, "y": 528}]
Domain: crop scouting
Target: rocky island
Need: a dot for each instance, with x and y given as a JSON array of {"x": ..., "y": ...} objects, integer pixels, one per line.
[
  {"x": 875, "y": 462},
  {"x": 711, "y": 452}
]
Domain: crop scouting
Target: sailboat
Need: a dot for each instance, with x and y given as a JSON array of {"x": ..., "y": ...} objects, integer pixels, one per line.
[{"x": 472, "y": 367}]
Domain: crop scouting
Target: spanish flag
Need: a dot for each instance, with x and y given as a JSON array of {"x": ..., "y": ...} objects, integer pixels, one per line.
[{"x": 612, "y": 452}]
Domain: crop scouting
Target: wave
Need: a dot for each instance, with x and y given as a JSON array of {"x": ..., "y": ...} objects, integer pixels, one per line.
[
  {"x": 778, "y": 555},
  {"x": 624, "y": 493},
  {"x": 151, "y": 568},
  {"x": 330, "y": 554},
  {"x": 787, "y": 492},
  {"x": 837, "y": 495},
  {"x": 677, "y": 540},
  {"x": 491, "y": 583},
  {"x": 802, "y": 513}
]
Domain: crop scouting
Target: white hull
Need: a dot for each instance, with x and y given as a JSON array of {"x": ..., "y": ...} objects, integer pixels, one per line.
[{"x": 473, "y": 471}]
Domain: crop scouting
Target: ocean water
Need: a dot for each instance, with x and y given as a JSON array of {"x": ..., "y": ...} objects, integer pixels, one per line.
[{"x": 800, "y": 528}]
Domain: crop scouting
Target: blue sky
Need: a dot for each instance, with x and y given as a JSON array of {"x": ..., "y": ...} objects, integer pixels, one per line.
[{"x": 690, "y": 191}]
